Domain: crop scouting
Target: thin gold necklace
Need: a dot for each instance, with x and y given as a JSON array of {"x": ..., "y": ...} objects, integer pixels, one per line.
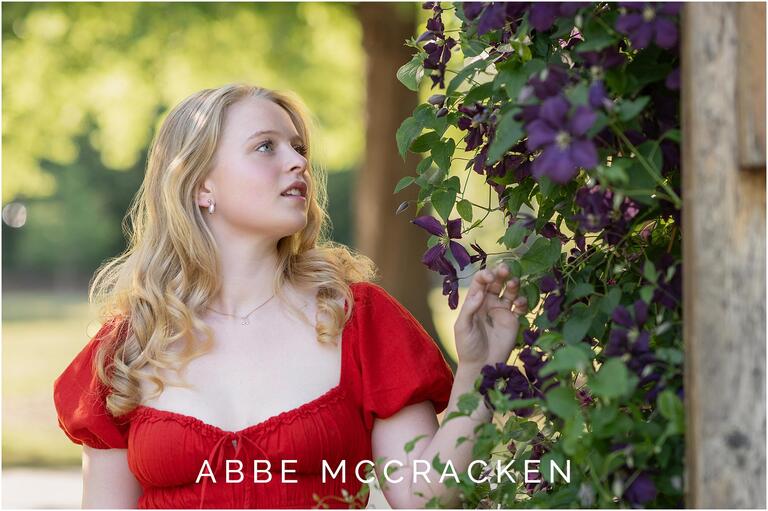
[{"x": 243, "y": 319}]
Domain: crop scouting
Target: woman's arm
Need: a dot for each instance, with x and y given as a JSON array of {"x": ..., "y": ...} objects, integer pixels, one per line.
[
  {"x": 107, "y": 481},
  {"x": 485, "y": 333},
  {"x": 391, "y": 434}
]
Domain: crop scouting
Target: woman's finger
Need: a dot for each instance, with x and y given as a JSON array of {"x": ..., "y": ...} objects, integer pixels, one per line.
[
  {"x": 474, "y": 298},
  {"x": 520, "y": 306},
  {"x": 500, "y": 272}
]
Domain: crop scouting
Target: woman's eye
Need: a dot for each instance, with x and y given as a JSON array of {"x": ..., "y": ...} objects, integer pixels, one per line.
[
  {"x": 301, "y": 149},
  {"x": 268, "y": 142}
]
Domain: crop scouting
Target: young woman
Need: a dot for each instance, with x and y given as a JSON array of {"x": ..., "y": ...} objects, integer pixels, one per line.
[{"x": 293, "y": 364}]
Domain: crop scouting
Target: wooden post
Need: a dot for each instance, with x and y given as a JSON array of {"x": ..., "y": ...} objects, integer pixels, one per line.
[{"x": 723, "y": 121}]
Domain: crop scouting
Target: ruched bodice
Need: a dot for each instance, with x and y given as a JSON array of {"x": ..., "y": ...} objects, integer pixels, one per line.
[{"x": 388, "y": 362}]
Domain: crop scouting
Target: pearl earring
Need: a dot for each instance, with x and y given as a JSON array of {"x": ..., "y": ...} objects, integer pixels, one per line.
[{"x": 211, "y": 206}]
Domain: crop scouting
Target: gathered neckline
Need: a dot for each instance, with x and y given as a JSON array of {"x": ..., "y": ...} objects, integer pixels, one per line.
[{"x": 330, "y": 396}]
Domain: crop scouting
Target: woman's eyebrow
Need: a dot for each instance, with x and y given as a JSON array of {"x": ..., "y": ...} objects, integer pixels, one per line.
[{"x": 296, "y": 138}]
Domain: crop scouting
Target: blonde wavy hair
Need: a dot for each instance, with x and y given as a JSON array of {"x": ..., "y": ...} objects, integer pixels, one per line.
[{"x": 151, "y": 295}]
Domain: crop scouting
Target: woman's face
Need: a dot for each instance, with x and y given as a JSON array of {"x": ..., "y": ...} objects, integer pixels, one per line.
[{"x": 260, "y": 155}]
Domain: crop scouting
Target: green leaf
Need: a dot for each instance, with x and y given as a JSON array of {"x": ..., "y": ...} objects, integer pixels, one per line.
[
  {"x": 479, "y": 93},
  {"x": 671, "y": 407},
  {"x": 572, "y": 434},
  {"x": 531, "y": 293},
  {"x": 610, "y": 300},
  {"x": 410, "y": 445},
  {"x": 442, "y": 153},
  {"x": 595, "y": 37},
  {"x": 404, "y": 182},
  {"x": 548, "y": 339},
  {"x": 508, "y": 133},
  {"x": 542, "y": 255},
  {"x": 468, "y": 402},
  {"x": 465, "y": 73},
  {"x": 649, "y": 271},
  {"x": 673, "y": 135},
  {"x": 562, "y": 402},
  {"x": 578, "y": 324},
  {"x": 423, "y": 165},
  {"x": 522, "y": 431},
  {"x": 410, "y": 74},
  {"x": 612, "y": 380},
  {"x": 512, "y": 78},
  {"x": 406, "y": 133},
  {"x": 580, "y": 290},
  {"x": 443, "y": 201},
  {"x": 452, "y": 183},
  {"x": 514, "y": 235},
  {"x": 464, "y": 207},
  {"x": 646, "y": 293},
  {"x": 424, "y": 142},
  {"x": 629, "y": 109},
  {"x": 566, "y": 359}
]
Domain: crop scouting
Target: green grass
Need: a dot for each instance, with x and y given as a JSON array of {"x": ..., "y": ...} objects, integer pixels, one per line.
[{"x": 42, "y": 333}]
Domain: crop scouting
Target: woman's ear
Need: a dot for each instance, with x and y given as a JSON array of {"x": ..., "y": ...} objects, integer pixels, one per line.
[{"x": 205, "y": 194}]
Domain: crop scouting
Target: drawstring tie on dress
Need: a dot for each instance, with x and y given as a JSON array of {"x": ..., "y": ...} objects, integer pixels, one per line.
[{"x": 219, "y": 450}]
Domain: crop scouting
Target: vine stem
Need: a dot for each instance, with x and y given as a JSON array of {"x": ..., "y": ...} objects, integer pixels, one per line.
[{"x": 648, "y": 167}]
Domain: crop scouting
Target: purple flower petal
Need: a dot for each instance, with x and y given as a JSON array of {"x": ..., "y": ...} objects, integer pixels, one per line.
[
  {"x": 542, "y": 15},
  {"x": 642, "y": 36},
  {"x": 641, "y": 490},
  {"x": 673, "y": 79},
  {"x": 547, "y": 284},
  {"x": 629, "y": 23},
  {"x": 454, "y": 228},
  {"x": 472, "y": 9},
  {"x": 641, "y": 312},
  {"x": 433, "y": 255},
  {"x": 641, "y": 343},
  {"x": 597, "y": 95},
  {"x": 540, "y": 133},
  {"x": 666, "y": 33},
  {"x": 492, "y": 18},
  {"x": 556, "y": 164},
  {"x": 584, "y": 154},
  {"x": 583, "y": 119},
  {"x": 460, "y": 254},
  {"x": 621, "y": 316},
  {"x": 430, "y": 224},
  {"x": 554, "y": 110}
]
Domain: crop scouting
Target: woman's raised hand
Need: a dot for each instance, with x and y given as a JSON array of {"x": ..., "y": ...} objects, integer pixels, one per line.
[{"x": 488, "y": 324}]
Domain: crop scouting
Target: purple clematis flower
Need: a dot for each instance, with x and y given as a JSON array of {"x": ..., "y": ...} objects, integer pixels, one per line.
[
  {"x": 542, "y": 15},
  {"x": 475, "y": 121},
  {"x": 596, "y": 207},
  {"x": 641, "y": 491},
  {"x": 629, "y": 327},
  {"x": 434, "y": 258},
  {"x": 438, "y": 47},
  {"x": 548, "y": 82},
  {"x": 553, "y": 284},
  {"x": 481, "y": 255},
  {"x": 649, "y": 21},
  {"x": 606, "y": 58},
  {"x": 494, "y": 15},
  {"x": 562, "y": 138},
  {"x": 453, "y": 229},
  {"x": 598, "y": 97}
]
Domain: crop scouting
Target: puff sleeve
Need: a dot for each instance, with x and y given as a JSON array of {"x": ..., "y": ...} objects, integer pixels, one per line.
[
  {"x": 400, "y": 363},
  {"x": 80, "y": 400}
]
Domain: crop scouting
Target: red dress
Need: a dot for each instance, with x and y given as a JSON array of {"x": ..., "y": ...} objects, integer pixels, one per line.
[{"x": 388, "y": 362}]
